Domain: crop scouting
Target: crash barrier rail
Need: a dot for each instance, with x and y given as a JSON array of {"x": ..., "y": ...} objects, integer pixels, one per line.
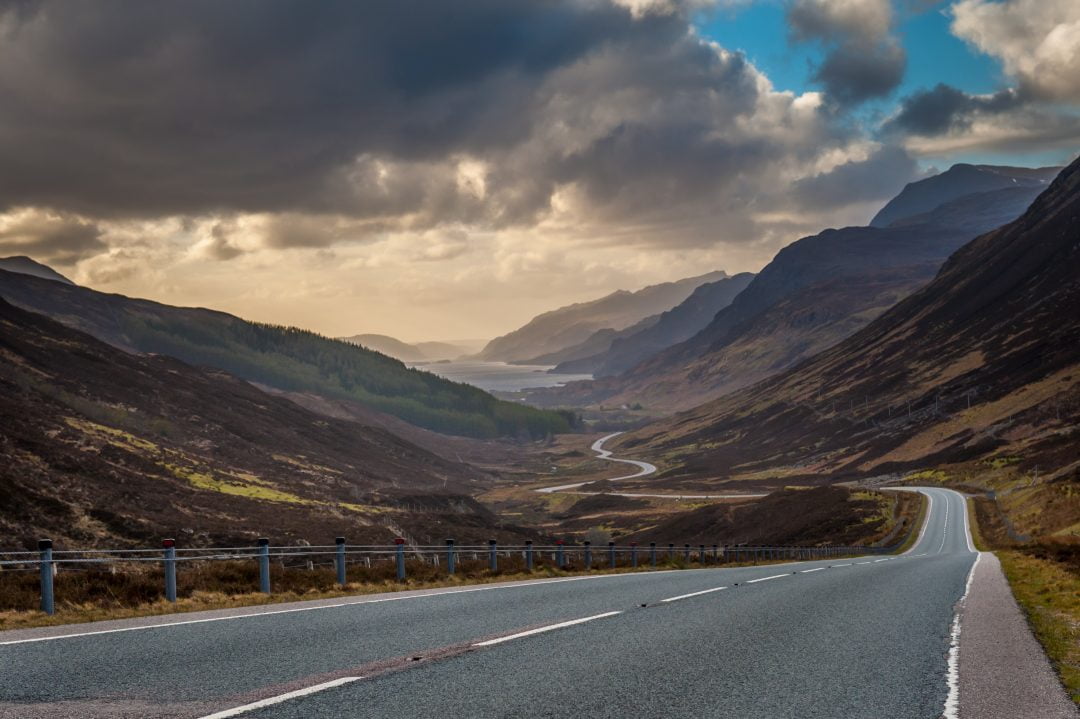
[{"x": 47, "y": 561}]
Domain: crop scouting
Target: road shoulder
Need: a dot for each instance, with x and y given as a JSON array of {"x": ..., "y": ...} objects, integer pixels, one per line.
[{"x": 1004, "y": 672}]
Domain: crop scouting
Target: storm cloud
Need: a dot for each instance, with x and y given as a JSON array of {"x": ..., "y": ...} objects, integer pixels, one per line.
[
  {"x": 862, "y": 58},
  {"x": 278, "y": 158}
]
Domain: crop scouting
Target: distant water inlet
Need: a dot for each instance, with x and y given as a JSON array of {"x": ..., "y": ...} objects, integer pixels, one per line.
[{"x": 499, "y": 376}]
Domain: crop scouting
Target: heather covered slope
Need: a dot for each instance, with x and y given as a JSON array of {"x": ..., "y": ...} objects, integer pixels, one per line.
[
  {"x": 981, "y": 364},
  {"x": 286, "y": 358},
  {"x": 102, "y": 446}
]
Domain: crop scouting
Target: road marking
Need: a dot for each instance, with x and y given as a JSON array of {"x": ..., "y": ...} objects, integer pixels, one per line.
[
  {"x": 336, "y": 605},
  {"x": 841, "y": 565},
  {"x": 952, "y": 675},
  {"x": 540, "y": 630},
  {"x": 878, "y": 560},
  {"x": 765, "y": 579},
  {"x": 692, "y": 594},
  {"x": 807, "y": 571},
  {"x": 237, "y": 711},
  {"x": 945, "y": 528},
  {"x": 864, "y": 562}
]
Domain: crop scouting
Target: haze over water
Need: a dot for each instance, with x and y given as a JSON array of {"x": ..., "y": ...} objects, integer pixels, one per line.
[{"x": 499, "y": 376}]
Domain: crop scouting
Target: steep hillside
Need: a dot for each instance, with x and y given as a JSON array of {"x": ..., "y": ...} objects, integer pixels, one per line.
[
  {"x": 981, "y": 364},
  {"x": 923, "y": 196},
  {"x": 573, "y": 324},
  {"x": 102, "y": 446},
  {"x": 282, "y": 357},
  {"x": 676, "y": 325},
  {"x": 814, "y": 293}
]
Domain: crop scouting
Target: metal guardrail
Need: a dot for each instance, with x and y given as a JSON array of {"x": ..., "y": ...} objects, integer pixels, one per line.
[{"x": 47, "y": 560}]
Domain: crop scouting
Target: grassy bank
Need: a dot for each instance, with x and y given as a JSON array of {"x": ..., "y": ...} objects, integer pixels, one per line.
[{"x": 1045, "y": 579}]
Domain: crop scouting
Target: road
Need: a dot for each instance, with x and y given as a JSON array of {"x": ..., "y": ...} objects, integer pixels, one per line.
[
  {"x": 644, "y": 469},
  {"x": 848, "y": 638}
]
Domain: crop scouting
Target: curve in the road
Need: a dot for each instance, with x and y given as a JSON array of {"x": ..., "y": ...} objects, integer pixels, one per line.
[{"x": 644, "y": 469}]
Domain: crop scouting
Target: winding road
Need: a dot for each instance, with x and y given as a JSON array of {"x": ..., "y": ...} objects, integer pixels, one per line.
[
  {"x": 847, "y": 638},
  {"x": 644, "y": 469}
]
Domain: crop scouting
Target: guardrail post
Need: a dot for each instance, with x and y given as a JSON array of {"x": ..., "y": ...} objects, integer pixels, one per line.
[
  {"x": 559, "y": 557},
  {"x": 588, "y": 555},
  {"x": 339, "y": 560},
  {"x": 652, "y": 553},
  {"x": 633, "y": 554},
  {"x": 493, "y": 555},
  {"x": 399, "y": 543},
  {"x": 715, "y": 554},
  {"x": 686, "y": 553},
  {"x": 170, "y": 569},
  {"x": 701, "y": 554},
  {"x": 528, "y": 555},
  {"x": 45, "y": 566},
  {"x": 264, "y": 565},
  {"x": 671, "y": 551},
  {"x": 611, "y": 554},
  {"x": 449, "y": 556}
]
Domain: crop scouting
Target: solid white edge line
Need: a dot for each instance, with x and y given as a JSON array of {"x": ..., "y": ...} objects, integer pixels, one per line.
[
  {"x": 237, "y": 711},
  {"x": 540, "y": 630},
  {"x": 765, "y": 579},
  {"x": 807, "y": 571},
  {"x": 952, "y": 676},
  {"x": 336, "y": 605},
  {"x": 692, "y": 594}
]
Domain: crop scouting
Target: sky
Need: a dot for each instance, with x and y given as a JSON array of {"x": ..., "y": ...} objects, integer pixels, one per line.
[{"x": 436, "y": 171}]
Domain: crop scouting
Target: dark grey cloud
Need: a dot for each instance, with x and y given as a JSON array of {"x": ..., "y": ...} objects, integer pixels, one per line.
[
  {"x": 340, "y": 120},
  {"x": 862, "y": 58},
  {"x": 852, "y": 74},
  {"x": 944, "y": 108},
  {"x": 144, "y": 108},
  {"x": 879, "y": 177},
  {"x": 59, "y": 239}
]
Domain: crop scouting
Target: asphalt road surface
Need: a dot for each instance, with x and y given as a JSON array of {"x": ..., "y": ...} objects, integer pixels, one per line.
[{"x": 867, "y": 637}]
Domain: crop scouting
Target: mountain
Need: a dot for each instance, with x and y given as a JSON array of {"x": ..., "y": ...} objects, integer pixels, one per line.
[
  {"x": 282, "y": 357},
  {"x": 101, "y": 446},
  {"x": 419, "y": 352},
  {"x": 814, "y": 293},
  {"x": 595, "y": 345},
  {"x": 25, "y": 266},
  {"x": 672, "y": 327},
  {"x": 959, "y": 180},
  {"x": 573, "y": 324},
  {"x": 982, "y": 364}
]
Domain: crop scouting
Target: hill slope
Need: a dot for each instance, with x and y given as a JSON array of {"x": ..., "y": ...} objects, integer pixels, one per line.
[
  {"x": 102, "y": 446},
  {"x": 676, "y": 325},
  {"x": 25, "y": 266},
  {"x": 283, "y": 357},
  {"x": 959, "y": 180},
  {"x": 983, "y": 362},
  {"x": 814, "y": 293},
  {"x": 573, "y": 324}
]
